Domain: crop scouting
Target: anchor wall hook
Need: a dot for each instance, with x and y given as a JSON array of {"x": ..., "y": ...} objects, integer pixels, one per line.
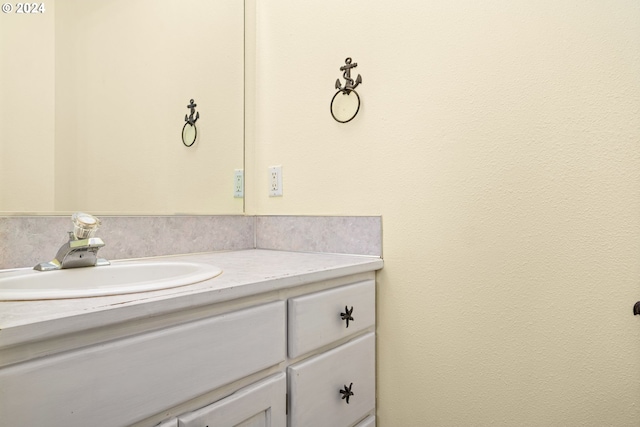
[
  {"x": 190, "y": 119},
  {"x": 349, "y": 84},
  {"x": 189, "y": 130},
  {"x": 345, "y": 107}
]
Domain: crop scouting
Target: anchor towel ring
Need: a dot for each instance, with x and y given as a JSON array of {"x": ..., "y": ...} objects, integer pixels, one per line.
[
  {"x": 189, "y": 130},
  {"x": 345, "y": 104}
]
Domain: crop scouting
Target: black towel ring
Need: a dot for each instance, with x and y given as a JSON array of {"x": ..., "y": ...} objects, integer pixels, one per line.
[{"x": 189, "y": 130}]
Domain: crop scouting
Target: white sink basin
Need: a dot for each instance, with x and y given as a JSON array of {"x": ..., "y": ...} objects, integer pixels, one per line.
[{"x": 114, "y": 279}]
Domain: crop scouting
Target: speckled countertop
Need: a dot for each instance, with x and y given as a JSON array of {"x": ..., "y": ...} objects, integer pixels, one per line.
[{"x": 245, "y": 273}]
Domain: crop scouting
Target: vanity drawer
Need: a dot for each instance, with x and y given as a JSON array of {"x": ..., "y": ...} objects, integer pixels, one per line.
[
  {"x": 368, "y": 422},
  {"x": 315, "y": 319},
  {"x": 315, "y": 384},
  {"x": 127, "y": 380},
  {"x": 260, "y": 404}
]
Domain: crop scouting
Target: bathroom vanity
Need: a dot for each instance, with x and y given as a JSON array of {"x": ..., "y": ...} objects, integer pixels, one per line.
[{"x": 278, "y": 339}]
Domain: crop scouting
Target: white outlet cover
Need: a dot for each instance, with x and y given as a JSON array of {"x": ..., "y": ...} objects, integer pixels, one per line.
[
  {"x": 275, "y": 181},
  {"x": 238, "y": 183}
]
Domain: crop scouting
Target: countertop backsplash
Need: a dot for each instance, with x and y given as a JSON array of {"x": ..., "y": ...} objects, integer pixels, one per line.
[{"x": 28, "y": 240}]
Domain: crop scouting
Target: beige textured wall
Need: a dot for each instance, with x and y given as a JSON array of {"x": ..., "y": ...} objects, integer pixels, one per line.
[
  {"x": 27, "y": 110},
  {"x": 501, "y": 143}
]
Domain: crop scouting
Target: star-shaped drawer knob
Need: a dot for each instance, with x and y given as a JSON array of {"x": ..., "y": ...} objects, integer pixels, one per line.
[
  {"x": 346, "y": 393},
  {"x": 347, "y": 315}
]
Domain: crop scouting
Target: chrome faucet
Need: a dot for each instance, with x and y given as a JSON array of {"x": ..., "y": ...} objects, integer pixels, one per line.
[{"x": 82, "y": 248}]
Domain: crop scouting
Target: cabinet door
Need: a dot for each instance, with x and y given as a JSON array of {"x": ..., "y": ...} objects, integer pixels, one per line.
[
  {"x": 315, "y": 385},
  {"x": 260, "y": 405}
]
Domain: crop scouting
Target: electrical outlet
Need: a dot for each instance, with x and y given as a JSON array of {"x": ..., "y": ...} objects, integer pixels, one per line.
[
  {"x": 238, "y": 183},
  {"x": 275, "y": 181}
]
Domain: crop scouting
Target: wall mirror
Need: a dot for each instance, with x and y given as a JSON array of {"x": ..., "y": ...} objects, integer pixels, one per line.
[{"x": 93, "y": 96}]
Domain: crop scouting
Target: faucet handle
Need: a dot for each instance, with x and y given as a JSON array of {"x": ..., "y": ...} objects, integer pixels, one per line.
[{"x": 84, "y": 225}]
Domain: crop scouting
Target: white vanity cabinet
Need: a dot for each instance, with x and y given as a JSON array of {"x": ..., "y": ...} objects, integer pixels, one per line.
[{"x": 296, "y": 353}]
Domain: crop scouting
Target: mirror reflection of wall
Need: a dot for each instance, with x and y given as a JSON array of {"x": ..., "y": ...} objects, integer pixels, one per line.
[{"x": 92, "y": 103}]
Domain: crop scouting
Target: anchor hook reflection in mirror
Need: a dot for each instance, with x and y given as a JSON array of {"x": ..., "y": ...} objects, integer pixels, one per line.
[
  {"x": 345, "y": 104},
  {"x": 189, "y": 130}
]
